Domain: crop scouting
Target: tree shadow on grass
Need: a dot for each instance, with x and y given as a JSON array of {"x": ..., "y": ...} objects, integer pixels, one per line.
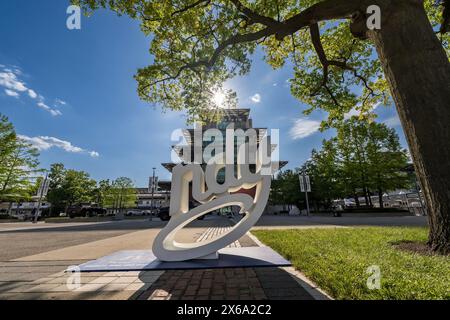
[{"x": 416, "y": 247}]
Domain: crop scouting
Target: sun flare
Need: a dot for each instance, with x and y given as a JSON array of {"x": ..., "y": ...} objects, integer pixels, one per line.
[{"x": 219, "y": 98}]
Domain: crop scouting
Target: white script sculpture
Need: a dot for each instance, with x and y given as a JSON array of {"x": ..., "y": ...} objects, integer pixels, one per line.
[{"x": 212, "y": 196}]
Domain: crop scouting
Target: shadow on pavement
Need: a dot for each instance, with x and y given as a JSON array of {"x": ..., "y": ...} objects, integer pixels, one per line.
[
  {"x": 225, "y": 284},
  {"x": 106, "y": 226}
]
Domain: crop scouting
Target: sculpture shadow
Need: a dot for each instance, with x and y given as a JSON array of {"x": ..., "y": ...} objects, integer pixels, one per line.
[{"x": 237, "y": 283}]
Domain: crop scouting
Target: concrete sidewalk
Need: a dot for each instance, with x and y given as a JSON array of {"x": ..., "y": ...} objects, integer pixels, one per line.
[{"x": 42, "y": 276}]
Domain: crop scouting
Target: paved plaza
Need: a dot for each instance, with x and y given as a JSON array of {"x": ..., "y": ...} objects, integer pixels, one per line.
[{"x": 34, "y": 257}]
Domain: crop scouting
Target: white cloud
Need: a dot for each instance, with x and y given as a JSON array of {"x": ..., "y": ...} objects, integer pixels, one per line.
[
  {"x": 393, "y": 121},
  {"x": 355, "y": 112},
  {"x": 11, "y": 93},
  {"x": 351, "y": 113},
  {"x": 17, "y": 71},
  {"x": 43, "y": 143},
  {"x": 9, "y": 80},
  {"x": 376, "y": 105},
  {"x": 287, "y": 83},
  {"x": 60, "y": 102},
  {"x": 304, "y": 128},
  {"x": 32, "y": 94},
  {"x": 53, "y": 112},
  {"x": 256, "y": 98},
  {"x": 43, "y": 106}
]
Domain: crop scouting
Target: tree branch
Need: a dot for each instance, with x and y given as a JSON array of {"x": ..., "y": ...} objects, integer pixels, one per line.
[
  {"x": 325, "y": 10},
  {"x": 317, "y": 43},
  {"x": 209, "y": 63},
  {"x": 255, "y": 17},
  {"x": 193, "y": 5}
]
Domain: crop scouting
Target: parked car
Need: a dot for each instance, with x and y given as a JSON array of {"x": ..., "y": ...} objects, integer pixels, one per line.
[
  {"x": 85, "y": 211},
  {"x": 134, "y": 213},
  {"x": 164, "y": 215}
]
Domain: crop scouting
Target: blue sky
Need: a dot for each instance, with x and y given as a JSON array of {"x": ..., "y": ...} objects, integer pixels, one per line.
[{"x": 72, "y": 94}]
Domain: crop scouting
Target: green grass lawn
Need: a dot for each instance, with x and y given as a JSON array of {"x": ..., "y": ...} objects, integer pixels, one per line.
[{"x": 337, "y": 260}]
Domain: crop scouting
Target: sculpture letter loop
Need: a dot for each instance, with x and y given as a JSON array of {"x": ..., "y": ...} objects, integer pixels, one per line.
[{"x": 212, "y": 196}]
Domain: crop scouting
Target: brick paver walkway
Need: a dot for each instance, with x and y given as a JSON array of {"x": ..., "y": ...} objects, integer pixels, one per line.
[
  {"x": 47, "y": 280},
  {"x": 217, "y": 284},
  {"x": 226, "y": 284},
  {"x": 36, "y": 280}
]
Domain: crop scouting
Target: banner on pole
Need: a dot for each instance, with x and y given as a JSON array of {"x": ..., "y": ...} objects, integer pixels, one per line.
[
  {"x": 308, "y": 184},
  {"x": 43, "y": 188},
  {"x": 305, "y": 183},
  {"x": 302, "y": 183},
  {"x": 152, "y": 184}
]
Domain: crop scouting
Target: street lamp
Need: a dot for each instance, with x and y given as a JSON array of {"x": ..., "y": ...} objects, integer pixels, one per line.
[
  {"x": 153, "y": 185},
  {"x": 305, "y": 186}
]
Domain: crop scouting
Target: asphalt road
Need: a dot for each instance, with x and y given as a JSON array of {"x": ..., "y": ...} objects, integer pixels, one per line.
[
  {"x": 17, "y": 244},
  {"x": 34, "y": 239},
  {"x": 28, "y": 239}
]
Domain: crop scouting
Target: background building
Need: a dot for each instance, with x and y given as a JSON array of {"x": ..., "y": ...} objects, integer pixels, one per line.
[
  {"x": 237, "y": 118},
  {"x": 159, "y": 199}
]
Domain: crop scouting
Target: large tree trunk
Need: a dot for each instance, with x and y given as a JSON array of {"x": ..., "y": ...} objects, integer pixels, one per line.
[{"x": 418, "y": 71}]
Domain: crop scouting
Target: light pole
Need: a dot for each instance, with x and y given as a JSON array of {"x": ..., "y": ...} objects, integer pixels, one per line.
[
  {"x": 153, "y": 191},
  {"x": 42, "y": 193},
  {"x": 305, "y": 186},
  {"x": 422, "y": 202}
]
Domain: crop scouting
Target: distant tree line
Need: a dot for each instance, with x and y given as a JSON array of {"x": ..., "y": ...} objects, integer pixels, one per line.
[
  {"x": 117, "y": 195},
  {"x": 18, "y": 165},
  {"x": 20, "y": 178},
  {"x": 364, "y": 159},
  {"x": 70, "y": 187}
]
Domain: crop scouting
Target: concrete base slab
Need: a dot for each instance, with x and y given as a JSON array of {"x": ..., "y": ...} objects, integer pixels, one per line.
[{"x": 140, "y": 260}]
